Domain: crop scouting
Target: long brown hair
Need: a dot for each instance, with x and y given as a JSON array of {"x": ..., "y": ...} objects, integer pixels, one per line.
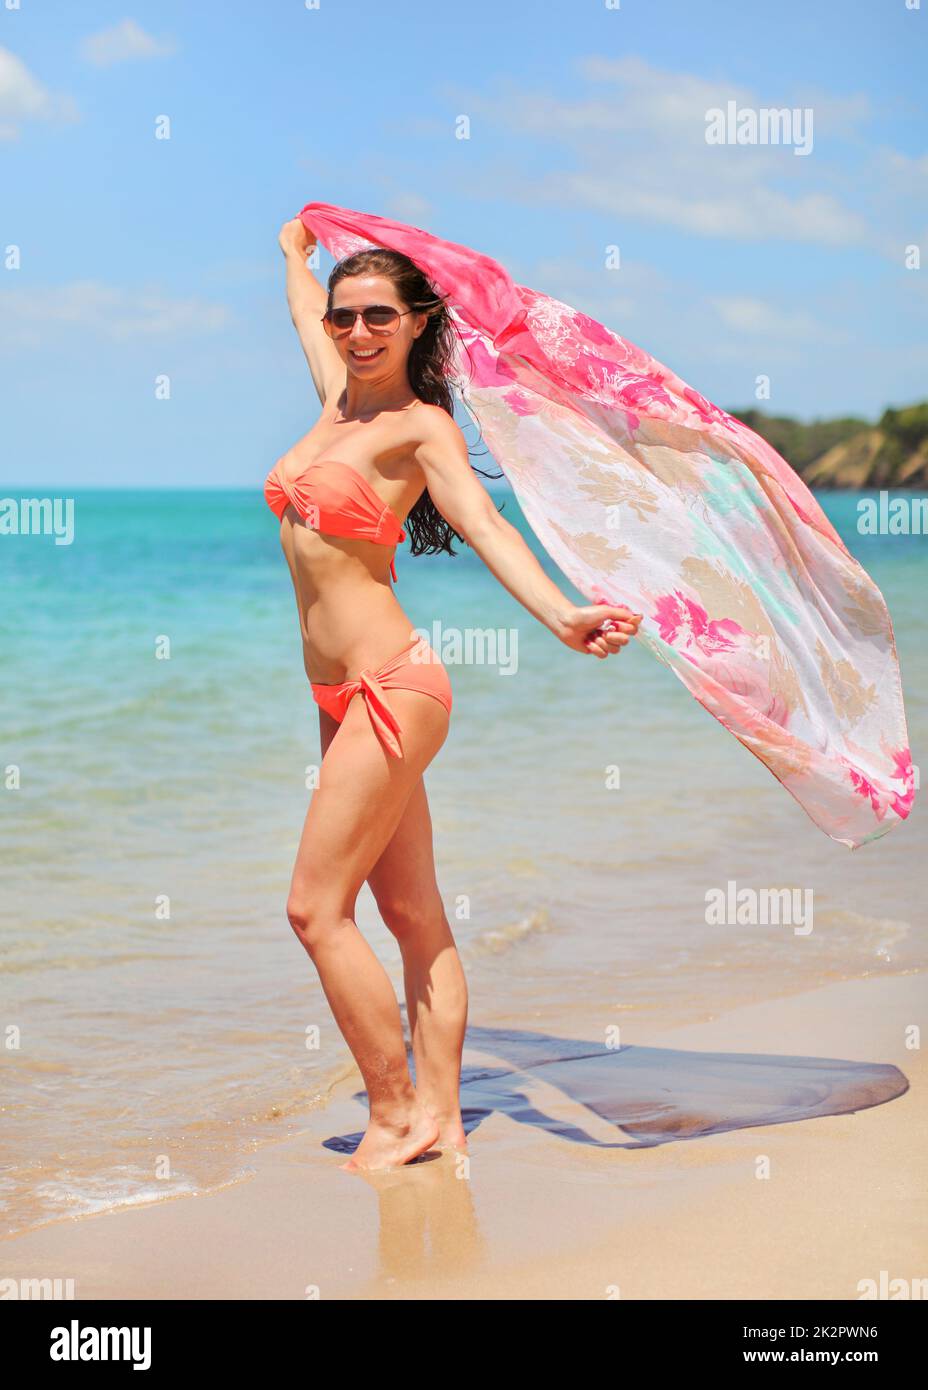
[{"x": 429, "y": 366}]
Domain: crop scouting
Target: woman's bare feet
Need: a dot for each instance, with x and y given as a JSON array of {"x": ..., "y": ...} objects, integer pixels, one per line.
[
  {"x": 454, "y": 1138},
  {"x": 389, "y": 1143},
  {"x": 450, "y": 1129}
]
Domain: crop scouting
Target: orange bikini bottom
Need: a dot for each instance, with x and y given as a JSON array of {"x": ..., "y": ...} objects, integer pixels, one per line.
[{"x": 416, "y": 667}]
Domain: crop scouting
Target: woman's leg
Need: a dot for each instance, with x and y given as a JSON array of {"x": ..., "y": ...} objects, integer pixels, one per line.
[
  {"x": 404, "y": 885},
  {"x": 352, "y": 817}
]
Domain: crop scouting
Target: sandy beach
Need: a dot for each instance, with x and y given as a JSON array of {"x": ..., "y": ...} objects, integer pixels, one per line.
[{"x": 556, "y": 1201}]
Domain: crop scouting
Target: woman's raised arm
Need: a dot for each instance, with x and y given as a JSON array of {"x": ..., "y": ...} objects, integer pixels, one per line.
[
  {"x": 598, "y": 629},
  {"x": 307, "y": 301}
]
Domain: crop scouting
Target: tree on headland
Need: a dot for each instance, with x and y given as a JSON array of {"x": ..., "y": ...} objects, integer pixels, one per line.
[{"x": 849, "y": 452}]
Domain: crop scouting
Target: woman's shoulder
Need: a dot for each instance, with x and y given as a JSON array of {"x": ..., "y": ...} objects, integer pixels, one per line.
[
  {"x": 437, "y": 437},
  {"x": 432, "y": 423}
]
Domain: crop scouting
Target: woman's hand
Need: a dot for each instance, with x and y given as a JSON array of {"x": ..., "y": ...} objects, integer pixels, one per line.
[
  {"x": 295, "y": 239},
  {"x": 601, "y": 629}
]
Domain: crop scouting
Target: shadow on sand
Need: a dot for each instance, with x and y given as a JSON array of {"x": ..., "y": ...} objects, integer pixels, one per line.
[{"x": 656, "y": 1095}]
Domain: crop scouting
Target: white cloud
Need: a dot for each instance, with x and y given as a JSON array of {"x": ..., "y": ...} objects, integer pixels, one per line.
[
  {"x": 745, "y": 211},
  {"x": 906, "y": 169},
  {"x": 635, "y": 146},
  {"x": 37, "y": 317},
  {"x": 24, "y": 98},
  {"x": 409, "y": 207},
  {"x": 121, "y": 43},
  {"x": 612, "y": 296},
  {"x": 757, "y": 317}
]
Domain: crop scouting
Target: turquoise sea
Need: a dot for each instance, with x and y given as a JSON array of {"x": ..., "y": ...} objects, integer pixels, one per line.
[{"x": 155, "y": 1001}]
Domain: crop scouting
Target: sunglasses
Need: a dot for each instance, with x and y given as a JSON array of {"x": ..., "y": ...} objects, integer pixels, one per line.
[{"x": 378, "y": 318}]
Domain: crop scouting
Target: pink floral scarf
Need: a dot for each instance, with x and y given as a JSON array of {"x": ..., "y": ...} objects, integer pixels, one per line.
[{"x": 645, "y": 493}]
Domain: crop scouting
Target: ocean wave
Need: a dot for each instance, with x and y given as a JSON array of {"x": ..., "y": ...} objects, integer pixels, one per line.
[{"x": 494, "y": 941}]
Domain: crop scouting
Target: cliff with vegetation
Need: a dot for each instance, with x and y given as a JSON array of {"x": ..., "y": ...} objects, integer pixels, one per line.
[{"x": 851, "y": 453}]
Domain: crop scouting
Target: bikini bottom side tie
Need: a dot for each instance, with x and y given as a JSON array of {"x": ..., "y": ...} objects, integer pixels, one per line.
[{"x": 414, "y": 668}]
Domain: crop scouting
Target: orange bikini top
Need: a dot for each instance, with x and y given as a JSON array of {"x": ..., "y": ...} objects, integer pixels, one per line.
[{"x": 333, "y": 497}]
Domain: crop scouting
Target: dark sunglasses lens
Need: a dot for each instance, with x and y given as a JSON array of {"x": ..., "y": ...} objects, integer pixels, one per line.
[
  {"x": 381, "y": 316},
  {"x": 341, "y": 319}
]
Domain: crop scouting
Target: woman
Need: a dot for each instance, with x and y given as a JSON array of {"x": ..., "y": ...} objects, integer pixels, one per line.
[{"x": 379, "y": 344}]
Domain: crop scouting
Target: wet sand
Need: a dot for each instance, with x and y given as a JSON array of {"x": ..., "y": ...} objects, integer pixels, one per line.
[{"x": 773, "y": 1152}]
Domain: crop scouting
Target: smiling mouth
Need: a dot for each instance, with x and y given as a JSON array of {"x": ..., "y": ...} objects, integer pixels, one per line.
[{"x": 367, "y": 356}]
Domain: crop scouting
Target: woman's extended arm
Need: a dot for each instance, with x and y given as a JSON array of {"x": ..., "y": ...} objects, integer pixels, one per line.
[
  {"x": 307, "y": 300},
  {"x": 465, "y": 503}
]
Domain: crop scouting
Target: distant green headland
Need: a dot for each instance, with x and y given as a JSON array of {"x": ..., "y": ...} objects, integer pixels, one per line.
[{"x": 851, "y": 453}]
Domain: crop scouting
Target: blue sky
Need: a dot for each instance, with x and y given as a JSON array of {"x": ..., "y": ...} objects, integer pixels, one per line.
[{"x": 141, "y": 257}]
